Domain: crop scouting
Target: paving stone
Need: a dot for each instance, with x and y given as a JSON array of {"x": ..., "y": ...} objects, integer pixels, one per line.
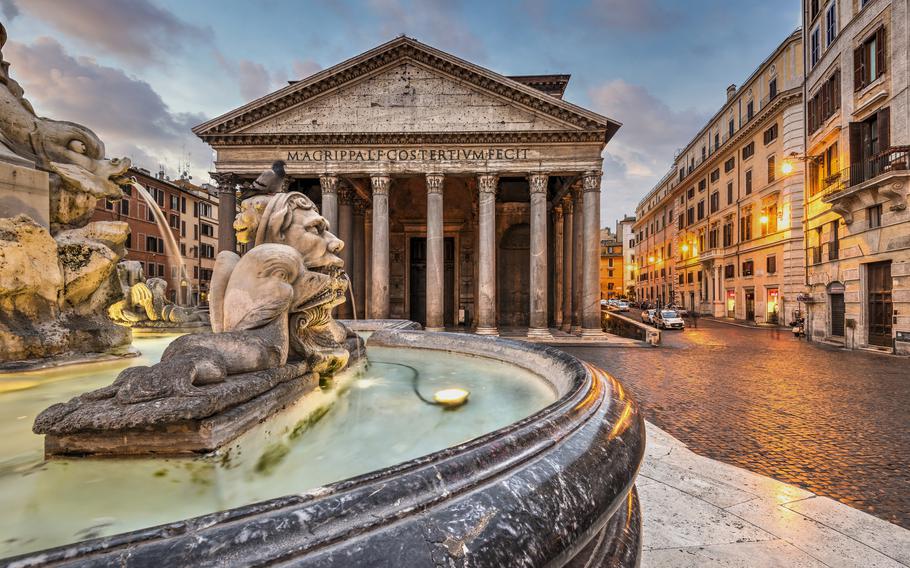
[{"x": 775, "y": 553}]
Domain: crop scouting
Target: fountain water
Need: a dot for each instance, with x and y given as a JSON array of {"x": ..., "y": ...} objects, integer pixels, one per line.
[
  {"x": 351, "y": 295},
  {"x": 170, "y": 243}
]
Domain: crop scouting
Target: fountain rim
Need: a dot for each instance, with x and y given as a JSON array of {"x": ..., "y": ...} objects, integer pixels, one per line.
[{"x": 590, "y": 401}]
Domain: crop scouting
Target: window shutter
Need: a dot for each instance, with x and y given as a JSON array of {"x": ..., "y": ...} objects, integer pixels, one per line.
[
  {"x": 859, "y": 68},
  {"x": 835, "y": 91},
  {"x": 880, "y": 50},
  {"x": 856, "y": 152},
  {"x": 884, "y": 129}
]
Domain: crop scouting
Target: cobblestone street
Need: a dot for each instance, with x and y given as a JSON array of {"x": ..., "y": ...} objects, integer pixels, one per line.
[{"x": 831, "y": 421}]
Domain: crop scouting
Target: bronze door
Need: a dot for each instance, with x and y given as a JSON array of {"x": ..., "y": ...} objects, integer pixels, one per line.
[
  {"x": 880, "y": 308},
  {"x": 514, "y": 277},
  {"x": 418, "y": 280}
]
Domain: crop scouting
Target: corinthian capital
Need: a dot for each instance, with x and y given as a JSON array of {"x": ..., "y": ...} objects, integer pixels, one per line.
[
  {"x": 380, "y": 184},
  {"x": 227, "y": 181},
  {"x": 538, "y": 183},
  {"x": 434, "y": 183},
  {"x": 328, "y": 183},
  {"x": 486, "y": 183},
  {"x": 567, "y": 203},
  {"x": 591, "y": 181}
]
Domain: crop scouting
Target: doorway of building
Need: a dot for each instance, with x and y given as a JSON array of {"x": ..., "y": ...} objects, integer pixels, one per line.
[
  {"x": 731, "y": 304},
  {"x": 750, "y": 305},
  {"x": 838, "y": 308},
  {"x": 773, "y": 305},
  {"x": 418, "y": 280},
  {"x": 514, "y": 276},
  {"x": 880, "y": 308}
]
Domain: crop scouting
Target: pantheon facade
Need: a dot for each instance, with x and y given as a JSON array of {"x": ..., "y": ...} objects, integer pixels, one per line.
[{"x": 466, "y": 199}]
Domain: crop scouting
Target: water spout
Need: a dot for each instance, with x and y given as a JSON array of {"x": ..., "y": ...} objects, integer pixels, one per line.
[
  {"x": 351, "y": 294},
  {"x": 170, "y": 243}
]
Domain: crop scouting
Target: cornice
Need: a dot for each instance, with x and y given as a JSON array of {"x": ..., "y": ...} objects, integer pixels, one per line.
[
  {"x": 406, "y": 138},
  {"x": 394, "y": 52}
]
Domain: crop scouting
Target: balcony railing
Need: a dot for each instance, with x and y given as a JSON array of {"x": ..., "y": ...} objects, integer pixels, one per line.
[{"x": 893, "y": 159}]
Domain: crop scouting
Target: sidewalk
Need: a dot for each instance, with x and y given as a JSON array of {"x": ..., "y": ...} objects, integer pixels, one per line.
[{"x": 702, "y": 512}]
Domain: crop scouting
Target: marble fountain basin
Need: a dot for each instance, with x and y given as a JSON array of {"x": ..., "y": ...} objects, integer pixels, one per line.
[{"x": 537, "y": 469}]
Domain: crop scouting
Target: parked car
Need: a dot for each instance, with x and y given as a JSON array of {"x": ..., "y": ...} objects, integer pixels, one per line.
[
  {"x": 647, "y": 315},
  {"x": 668, "y": 319},
  {"x": 603, "y": 303},
  {"x": 622, "y": 306}
]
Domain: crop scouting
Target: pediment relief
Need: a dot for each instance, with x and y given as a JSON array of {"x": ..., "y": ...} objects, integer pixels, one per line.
[{"x": 406, "y": 97}]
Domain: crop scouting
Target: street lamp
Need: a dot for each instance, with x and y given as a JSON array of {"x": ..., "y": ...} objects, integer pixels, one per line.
[
  {"x": 763, "y": 219},
  {"x": 787, "y": 167},
  {"x": 685, "y": 247}
]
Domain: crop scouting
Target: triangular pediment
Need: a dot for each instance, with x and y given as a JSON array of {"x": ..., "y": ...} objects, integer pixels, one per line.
[
  {"x": 404, "y": 86},
  {"x": 406, "y": 97}
]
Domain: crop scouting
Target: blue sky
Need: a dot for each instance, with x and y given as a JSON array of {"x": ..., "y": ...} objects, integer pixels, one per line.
[{"x": 142, "y": 72}]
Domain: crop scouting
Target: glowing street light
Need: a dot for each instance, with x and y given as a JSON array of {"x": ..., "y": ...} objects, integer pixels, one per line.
[
  {"x": 763, "y": 219},
  {"x": 650, "y": 259},
  {"x": 685, "y": 247},
  {"x": 787, "y": 167}
]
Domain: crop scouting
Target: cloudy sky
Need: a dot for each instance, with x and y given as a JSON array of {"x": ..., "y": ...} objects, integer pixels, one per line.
[{"x": 141, "y": 73}]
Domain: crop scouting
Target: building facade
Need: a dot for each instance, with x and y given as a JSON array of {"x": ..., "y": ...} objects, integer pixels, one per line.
[
  {"x": 466, "y": 198},
  {"x": 190, "y": 217},
  {"x": 721, "y": 233},
  {"x": 611, "y": 267},
  {"x": 625, "y": 232},
  {"x": 857, "y": 222}
]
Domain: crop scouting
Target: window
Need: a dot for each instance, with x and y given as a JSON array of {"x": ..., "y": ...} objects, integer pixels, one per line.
[
  {"x": 150, "y": 273},
  {"x": 814, "y": 8},
  {"x": 691, "y": 193},
  {"x": 771, "y": 264},
  {"x": 770, "y": 169},
  {"x": 206, "y": 250},
  {"x": 689, "y": 278},
  {"x": 183, "y": 204},
  {"x": 770, "y": 134},
  {"x": 716, "y": 140},
  {"x": 869, "y": 60},
  {"x": 154, "y": 244},
  {"x": 730, "y": 271},
  {"x": 129, "y": 241},
  {"x": 712, "y": 238},
  {"x": 731, "y": 128},
  {"x": 814, "y": 47},
  {"x": 195, "y": 209},
  {"x": 715, "y": 175},
  {"x": 822, "y": 175},
  {"x": 680, "y": 278},
  {"x": 682, "y": 173},
  {"x": 730, "y": 164},
  {"x": 874, "y": 215},
  {"x": 748, "y": 150},
  {"x": 704, "y": 153},
  {"x": 209, "y": 231},
  {"x": 825, "y": 102},
  {"x": 745, "y": 227},
  {"x": 174, "y": 220},
  {"x": 679, "y": 222},
  {"x": 748, "y": 268},
  {"x": 701, "y": 209},
  {"x": 830, "y": 23},
  {"x": 108, "y": 204},
  {"x": 125, "y": 207},
  {"x": 715, "y": 201},
  {"x": 729, "y": 192},
  {"x": 182, "y": 228},
  {"x": 750, "y": 110},
  {"x": 205, "y": 209},
  {"x": 690, "y": 215},
  {"x": 728, "y": 233},
  {"x": 174, "y": 202},
  {"x": 748, "y": 182},
  {"x": 150, "y": 214},
  {"x": 702, "y": 185},
  {"x": 772, "y": 88},
  {"x": 182, "y": 249},
  {"x": 834, "y": 243},
  {"x": 195, "y": 232}
]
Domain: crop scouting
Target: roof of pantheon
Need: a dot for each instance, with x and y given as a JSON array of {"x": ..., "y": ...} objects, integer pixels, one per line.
[{"x": 567, "y": 122}]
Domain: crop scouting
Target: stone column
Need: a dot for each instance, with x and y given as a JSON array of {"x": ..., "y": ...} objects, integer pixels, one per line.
[
  {"x": 358, "y": 270},
  {"x": 590, "y": 302},
  {"x": 345, "y": 228},
  {"x": 227, "y": 209},
  {"x": 486, "y": 270},
  {"x": 329, "y": 185},
  {"x": 577, "y": 257},
  {"x": 435, "y": 254},
  {"x": 567, "y": 262},
  {"x": 379, "y": 296},
  {"x": 539, "y": 326},
  {"x": 557, "y": 264}
]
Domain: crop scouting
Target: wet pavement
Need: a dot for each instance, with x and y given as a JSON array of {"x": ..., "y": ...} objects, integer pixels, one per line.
[{"x": 834, "y": 422}]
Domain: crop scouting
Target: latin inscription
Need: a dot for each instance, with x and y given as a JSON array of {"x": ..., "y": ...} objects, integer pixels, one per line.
[{"x": 408, "y": 155}]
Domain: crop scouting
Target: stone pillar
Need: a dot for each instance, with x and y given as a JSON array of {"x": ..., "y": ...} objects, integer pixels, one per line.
[
  {"x": 379, "y": 296},
  {"x": 329, "y": 210},
  {"x": 435, "y": 254},
  {"x": 539, "y": 325},
  {"x": 486, "y": 270},
  {"x": 567, "y": 262},
  {"x": 227, "y": 209},
  {"x": 590, "y": 302},
  {"x": 577, "y": 257},
  {"x": 358, "y": 270},
  {"x": 557, "y": 265},
  {"x": 345, "y": 228}
]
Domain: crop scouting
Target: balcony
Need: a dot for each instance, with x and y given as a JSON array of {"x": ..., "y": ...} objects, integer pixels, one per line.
[{"x": 885, "y": 175}]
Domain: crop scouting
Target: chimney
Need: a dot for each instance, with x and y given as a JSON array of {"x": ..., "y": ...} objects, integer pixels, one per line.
[{"x": 731, "y": 92}]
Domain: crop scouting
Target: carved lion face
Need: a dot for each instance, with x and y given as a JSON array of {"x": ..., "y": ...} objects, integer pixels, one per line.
[{"x": 246, "y": 223}]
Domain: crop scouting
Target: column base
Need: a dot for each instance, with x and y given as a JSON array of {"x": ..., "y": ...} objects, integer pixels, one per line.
[
  {"x": 487, "y": 331},
  {"x": 539, "y": 333},
  {"x": 575, "y": 329},
  {"x": 593, "y": 333},
  {"x": 434, "y": 329}
]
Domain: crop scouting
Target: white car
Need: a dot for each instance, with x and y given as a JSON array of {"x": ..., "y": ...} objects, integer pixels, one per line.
[
  {"x": 668, "y": 319},
  {"x": 622, "y": 306},
  {"x": 647, "y": 316}
]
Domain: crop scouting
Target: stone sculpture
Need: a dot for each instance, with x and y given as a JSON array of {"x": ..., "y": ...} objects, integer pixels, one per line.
[
  {"x": 272, "y": 332},
  {"x": 145, "y": 302},
  {"x": 58, "y": 279}
]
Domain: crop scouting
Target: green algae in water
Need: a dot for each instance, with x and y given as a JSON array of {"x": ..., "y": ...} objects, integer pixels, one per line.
[
  {"x": 308, "y": 422},
  {"x": 271, "y": 458},
  {"x": 160, "y": 473}
]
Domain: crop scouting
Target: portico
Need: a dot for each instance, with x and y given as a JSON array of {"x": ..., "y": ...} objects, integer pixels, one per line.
[{"x": 465, "y": 198}]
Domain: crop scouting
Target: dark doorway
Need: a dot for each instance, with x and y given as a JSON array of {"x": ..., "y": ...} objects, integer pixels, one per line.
[
  {"x": 750, "y": 305},
  {"x": 880, "y": 309},
  {"x": 838, "y": 308},
  {"x": 514, "y": 277},
  {"x": 418, "y": 280}
]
